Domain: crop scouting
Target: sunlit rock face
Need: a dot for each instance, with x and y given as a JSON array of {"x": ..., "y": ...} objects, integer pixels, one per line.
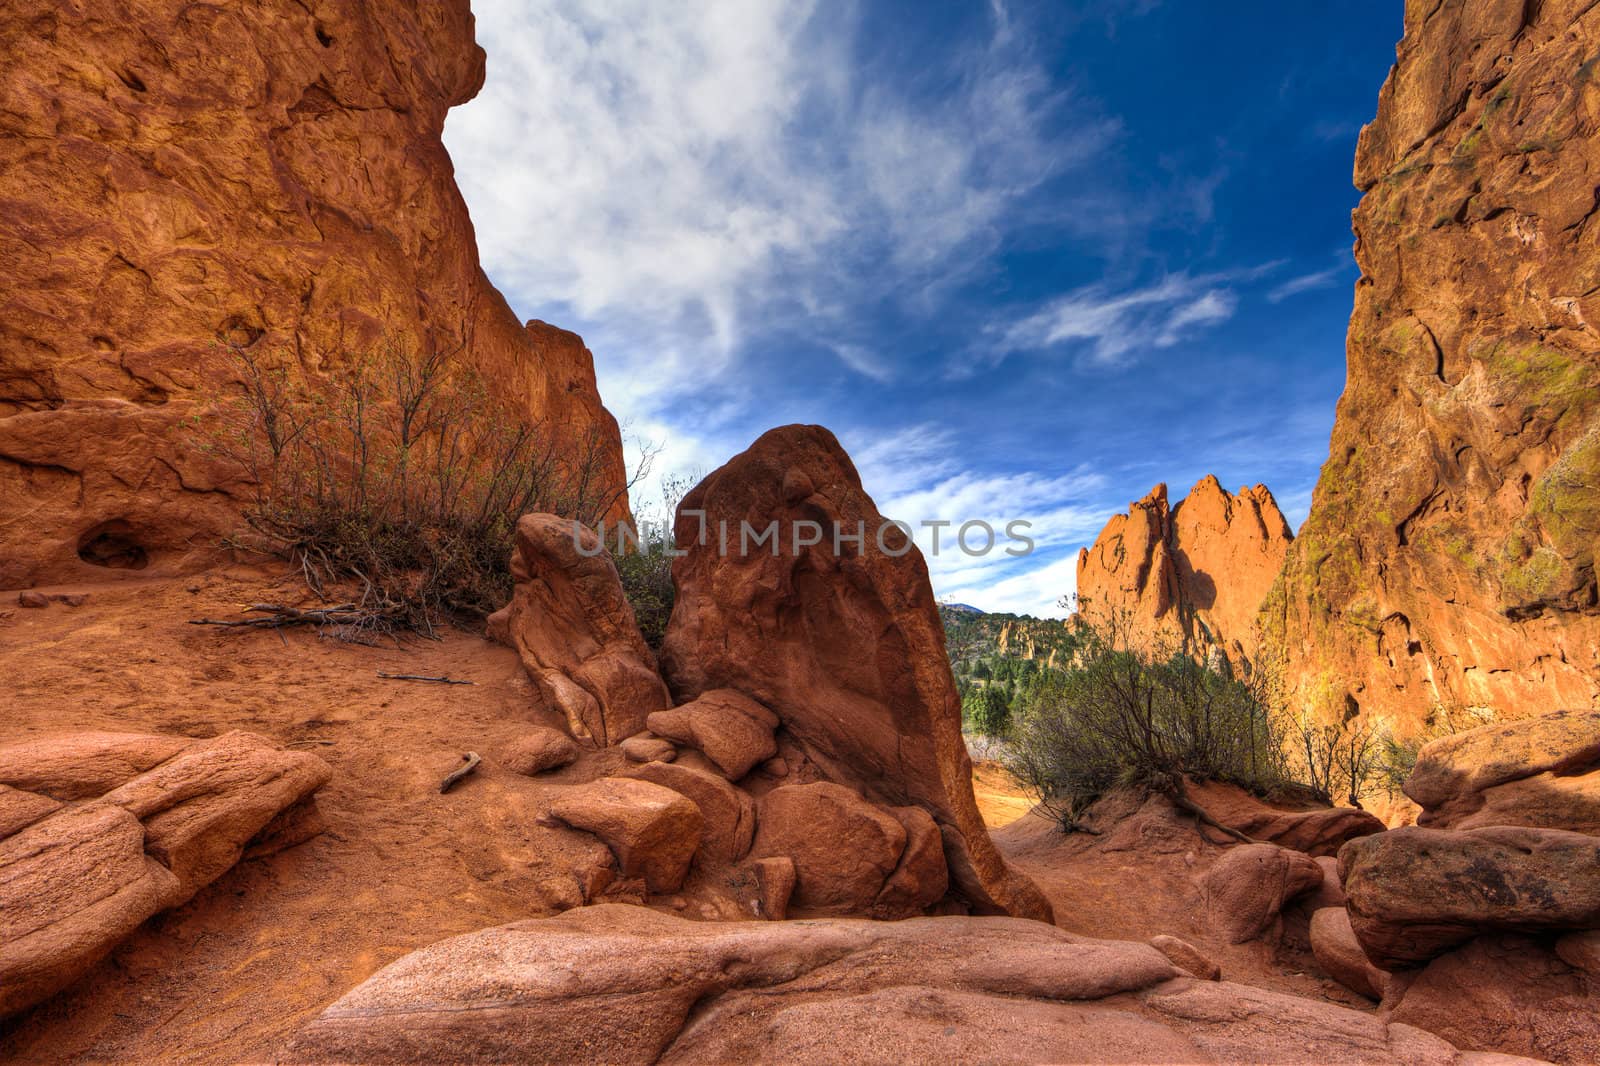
[
  {"x": 1186, "y": 577},
  {"x": 179, "y": 177},
  {"x": 1450, "y": 552}
]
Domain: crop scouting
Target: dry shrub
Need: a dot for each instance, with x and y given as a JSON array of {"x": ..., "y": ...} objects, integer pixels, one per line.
[{"x": 399, "y": 471}]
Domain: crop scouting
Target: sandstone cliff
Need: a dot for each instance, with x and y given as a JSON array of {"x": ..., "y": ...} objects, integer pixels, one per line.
[
  {"x": 1190, "y": 577},
  {"x": 1449, "y": 556},
  {"x": 174, "y": 177}
]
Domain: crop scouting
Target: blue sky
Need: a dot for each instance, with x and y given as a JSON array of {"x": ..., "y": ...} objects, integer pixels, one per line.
[{"x": 1025, "y": 259}]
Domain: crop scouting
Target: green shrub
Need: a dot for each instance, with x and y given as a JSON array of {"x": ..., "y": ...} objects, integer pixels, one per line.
[{"x": 1122, "y": 717}]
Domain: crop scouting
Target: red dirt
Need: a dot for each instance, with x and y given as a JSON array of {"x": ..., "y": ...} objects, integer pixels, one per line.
[{"x": 228, "y": 976}]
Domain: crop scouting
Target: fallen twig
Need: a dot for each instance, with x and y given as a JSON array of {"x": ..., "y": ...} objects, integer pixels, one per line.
[
  {"x": 470, "y": 763},
  {"x": 444, "y": 679}
]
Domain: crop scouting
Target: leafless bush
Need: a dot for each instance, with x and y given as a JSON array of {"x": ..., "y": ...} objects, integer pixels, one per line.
[{"x": 399, "y": 471}]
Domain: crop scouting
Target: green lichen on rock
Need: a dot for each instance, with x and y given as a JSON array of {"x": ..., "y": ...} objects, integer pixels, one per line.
[
  {"x": 1537, "y": 373},
  {"x": 1536, "y": 579},
  {"x": 1566, "y": 498}
]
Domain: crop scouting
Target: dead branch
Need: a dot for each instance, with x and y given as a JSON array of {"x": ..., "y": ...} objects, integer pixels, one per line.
[
  {"x": 444, "y": 679},
  {"x": 470, "y": 763},
  {"x": 1179, "y": 796}
]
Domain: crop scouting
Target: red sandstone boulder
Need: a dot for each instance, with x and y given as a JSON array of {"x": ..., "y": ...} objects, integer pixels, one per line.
[
  {"x": 626, "y": 984},
  {"x": 845, "y": 646},
  {"x": 160, "y": 818},
  {"x": 922, "y": 877},
  {"x": 1339, "y": 953},
  {"x": 1249, "y": 885},
  {"x": 775, "y": 877},
  {"x": 1185, "y": 956},
  {"x": 653, "y": 831},
  {"x": 1315, "y": 830},
  {"x": 1542, "y": 771},
  {"x": 575, "y": 632},
  {"x": 730, "y": 814},
  {"x": 1504, "y": 993},
  {"x": 844, "y": 849},
  {"x": 1415, "y": 893},
  {"x": 732, "y": 730},
  {"x": 537, "y": 750},
  {"x": 648, "y": 748}
]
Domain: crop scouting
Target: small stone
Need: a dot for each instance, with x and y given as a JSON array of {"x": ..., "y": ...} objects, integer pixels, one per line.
[
  {"x": 32, "y": 598},
  {"x": 647, "y": 748}
]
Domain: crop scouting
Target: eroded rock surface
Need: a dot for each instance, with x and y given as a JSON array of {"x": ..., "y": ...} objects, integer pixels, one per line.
[
  {"x": 1415, "y": 893},
  {"x": 1540, "y": 771},
  {"x": 575, "y": 632},
  {"x": 1247, "y": 888},
  {"x": 841, "y": 642},
  {"x": 621, "y": 982},
  {"x": 181, "y": 177},
  {"x": 121, "y": 827},
  {"x": 1189, "y": 577},
  {"x": 1449, "y": 556}
]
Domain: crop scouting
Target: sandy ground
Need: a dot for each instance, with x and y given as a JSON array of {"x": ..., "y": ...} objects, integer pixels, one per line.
[{"x": 227, "y": 977}]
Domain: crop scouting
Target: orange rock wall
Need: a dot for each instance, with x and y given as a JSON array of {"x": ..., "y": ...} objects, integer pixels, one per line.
[
  {"x": 1449, "y": 556},
  {"x": 175, "y": 175}
]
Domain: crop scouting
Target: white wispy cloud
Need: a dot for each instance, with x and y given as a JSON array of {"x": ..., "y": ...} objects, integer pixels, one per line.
[
  {"x": 1321, "y": 279},
  {"x": 1110, "y": 326},
  {"x": 917, "y": 475}
]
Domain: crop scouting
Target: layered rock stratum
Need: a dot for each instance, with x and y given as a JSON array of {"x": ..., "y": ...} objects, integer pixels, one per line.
[
  {"x": 1189, "y": 576},
  {"x": 177, "y": 178},
  {"x": 1449, "y": 556}
]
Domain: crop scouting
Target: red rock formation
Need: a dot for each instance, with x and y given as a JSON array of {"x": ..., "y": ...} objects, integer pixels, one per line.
[
  {"x": 627, "y": 984},
  {"x": 841, "y": 640},
  {"x": 1449, "y": 556},
  {"x": 175, "y": 176},
  {"x": 574, "y": 630},
  {"x": 1190, "y": 577},
  {"x": 164, "y": 817}
]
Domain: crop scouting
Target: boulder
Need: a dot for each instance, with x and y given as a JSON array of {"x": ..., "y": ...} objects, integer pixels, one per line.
[
  {"x": 627, "y": 984},
  {"x": 1339, "y": 953},
  {"x": 1315, "y": 830},
  {"x": 653, "y": 831},
  {"x": 157, "y": 819},
  {"x": 922, "y": 877},
  {"x": 203, "y": 806},
  {"x": 1542, "y": 771},
  {"x": 537, "y": 750},
  {"x": 1328, "y": 894},
  {"x": 1504, "y": 993},
  {"x": 775, "y": 878},
  {"x": 842, "y": 641},
  {"x": 19, "y": 809},
  {"x": 1249, "y": 885},
  {"x": 32, "y": 598},
  {"x": 75, "y": 766},
  {"x": 646, "y": 747},
  {"x": 844, "y": 849},
  {"x": 1186, "y": 957},
  {"x": 1415, "y": 893},
  {"x": 729, "y": 814},
  {"x": 1581, "y": 951},
  {"x": 732, "y": 730},
  {"x": 575, "y": 632}
]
